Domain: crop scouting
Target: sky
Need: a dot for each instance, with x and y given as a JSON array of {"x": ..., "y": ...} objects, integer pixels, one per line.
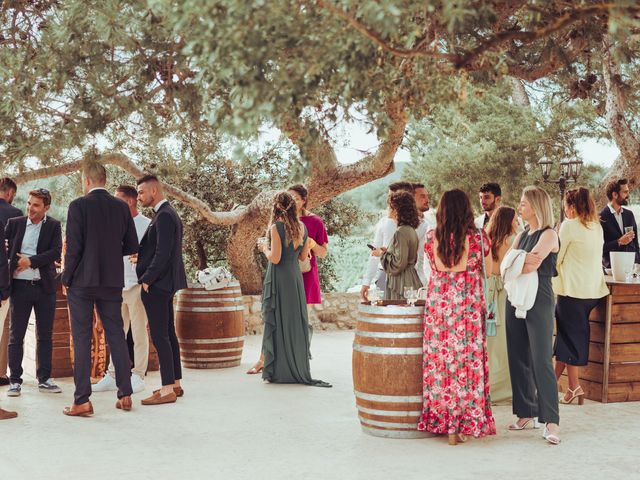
[{"x": 356, "y": 141}]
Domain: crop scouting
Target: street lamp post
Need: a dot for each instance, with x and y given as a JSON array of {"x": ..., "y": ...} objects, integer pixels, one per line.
[{"x": 569, "y": 173}]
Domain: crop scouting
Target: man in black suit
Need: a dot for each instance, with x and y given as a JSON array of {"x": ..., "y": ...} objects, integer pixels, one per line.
[
  {"x": 100, "y": 231},
  {"x": 8, "y": 189},
  {"x": 35, "y": 245},
  {"x": 4, "y": 289},
  {"x": 161, "y": 273},
  {"x": 618, "y": 223}
]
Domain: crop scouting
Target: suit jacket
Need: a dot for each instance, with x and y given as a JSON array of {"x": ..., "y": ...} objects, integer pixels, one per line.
[
  {"x": 48, "y": 250},
  {"x": 100, "y": 231},
  {"x": 4, "y": 269},
  {"x": 7, "y": 211},
  {"x": 612, "y": 233},
  {"x": 160, "y": 259}
]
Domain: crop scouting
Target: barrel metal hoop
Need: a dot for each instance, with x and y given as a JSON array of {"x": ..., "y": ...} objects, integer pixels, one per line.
[
  {"x": 196, "y": 360},
  {"x": 387, "y": 350},
  {"x": 363, "y": 333},
  {"x": 400, "y": 310},
  {"x": 391, "y": 321},
  {"x": 212, "y": 340},
  {"x": 401, "y": 434},
  {"x": 389, "y": 413},
  {"x": 180, "y": 308},
  {"x": 210, "y": 293},
  {"x": 210, "y": 299},
  {"x": 210, "y": 350},
  {"x": 388, "y": 398}
]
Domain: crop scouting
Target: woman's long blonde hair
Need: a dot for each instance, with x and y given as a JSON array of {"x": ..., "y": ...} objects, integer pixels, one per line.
[
  {"x": 541, "y": 204},
  {"x": 284, "y": 210}
]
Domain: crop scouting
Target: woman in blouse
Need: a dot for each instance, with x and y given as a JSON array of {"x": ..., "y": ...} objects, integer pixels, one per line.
[{"x": 579, "y": 286}]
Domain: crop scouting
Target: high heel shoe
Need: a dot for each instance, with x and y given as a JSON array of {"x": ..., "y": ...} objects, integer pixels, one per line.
[
  {"x": 257, "y": 368},
  {"x": 515, "y": 426},
  {"x": 575, "y": 393},
  {"x": 552, "y": 438}
]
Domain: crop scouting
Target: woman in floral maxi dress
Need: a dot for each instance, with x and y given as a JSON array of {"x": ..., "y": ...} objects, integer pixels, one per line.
[{"x": 456, "y": 398}]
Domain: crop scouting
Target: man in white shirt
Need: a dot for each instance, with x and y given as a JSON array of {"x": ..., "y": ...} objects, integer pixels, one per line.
[
  {"x": 134, "y": 315},
  {"x": 384, "y": 231},
  {"x": 490, "y": 199}
]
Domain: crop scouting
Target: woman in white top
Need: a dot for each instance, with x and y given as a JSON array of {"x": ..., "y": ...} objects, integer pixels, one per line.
[{"x": 579, "y": 286}]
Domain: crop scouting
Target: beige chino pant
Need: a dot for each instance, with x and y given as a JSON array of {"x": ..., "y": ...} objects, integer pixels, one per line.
[{"x": 134, "y": 316}]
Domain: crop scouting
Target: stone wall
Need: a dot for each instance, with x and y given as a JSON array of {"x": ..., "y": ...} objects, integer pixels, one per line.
[{"x": 338, "y": 311}]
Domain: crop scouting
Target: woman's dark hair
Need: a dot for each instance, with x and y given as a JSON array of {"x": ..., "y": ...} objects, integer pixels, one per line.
[
  {"x": 500, "y": 228},
  {"x": 284, "y": 210},
  {"x": 301, "y": 190},
  {"x": 582, "y": 201},
  {"x": 404, "y": 205},
  {"x": 454, "y": 220}
]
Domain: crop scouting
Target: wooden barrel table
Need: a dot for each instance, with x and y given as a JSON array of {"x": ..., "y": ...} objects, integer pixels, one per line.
[
  {"x": 210, "y": 326},
  {"x": 387, "y": 370}
]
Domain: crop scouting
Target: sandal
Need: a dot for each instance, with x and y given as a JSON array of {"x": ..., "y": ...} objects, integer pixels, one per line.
[
  {"x": 521, "y": 426},
  {"x": 575, "y": 393},
  {"x": 257, "y": 368},
  {"x": 455, "y": 438},
  {"x": 552, "y": 438}
]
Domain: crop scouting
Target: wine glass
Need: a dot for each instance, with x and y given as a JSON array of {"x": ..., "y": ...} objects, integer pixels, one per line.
[
  {"x": 628, "y": 273},
  {"x": 372, "y": 295},
  {"x": 409, "y": 294}
]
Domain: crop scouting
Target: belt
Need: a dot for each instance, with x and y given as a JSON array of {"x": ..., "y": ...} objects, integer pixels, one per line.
[{"x": 28, "y": 282}]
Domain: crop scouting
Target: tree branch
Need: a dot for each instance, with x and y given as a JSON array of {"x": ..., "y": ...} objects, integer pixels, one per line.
[{"x": 122, "y": 161}]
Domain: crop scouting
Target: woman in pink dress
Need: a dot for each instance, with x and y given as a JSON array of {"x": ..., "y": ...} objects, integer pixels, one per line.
[
  {"x": 456, "y": 398},
  {"x": 318, "y": 233}
]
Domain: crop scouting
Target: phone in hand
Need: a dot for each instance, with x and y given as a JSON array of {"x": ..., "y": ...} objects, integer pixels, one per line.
[{"x": 371, "y": 246}]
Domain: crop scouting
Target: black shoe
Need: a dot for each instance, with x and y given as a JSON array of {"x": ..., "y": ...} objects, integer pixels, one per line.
[{"x": 4, "y": 381}]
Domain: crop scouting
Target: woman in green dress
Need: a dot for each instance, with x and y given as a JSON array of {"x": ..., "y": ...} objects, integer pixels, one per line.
[
  {"x": 501, "y": 230},
  {"x": 285, "y": 343},
  {"x": 399, "y": 259}
]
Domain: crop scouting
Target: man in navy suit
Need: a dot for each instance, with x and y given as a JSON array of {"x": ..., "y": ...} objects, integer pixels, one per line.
[
  {"x": 35, "y": 245},
  {"x": 161, "y": 273},
  {"x": 8, "y": 189},
  {"x": 4, "y": 289},
  {"x": 100, "y": 231},
  {"x": 618, "y": 223}
]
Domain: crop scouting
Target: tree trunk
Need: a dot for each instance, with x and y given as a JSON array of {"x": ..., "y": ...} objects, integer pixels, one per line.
[
  {"x": 627, "y": 165},
  {"x": 202, "y": 255}
]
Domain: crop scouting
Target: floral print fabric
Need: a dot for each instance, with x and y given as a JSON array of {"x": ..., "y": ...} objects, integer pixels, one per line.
[{"x": 455, "y": 368}]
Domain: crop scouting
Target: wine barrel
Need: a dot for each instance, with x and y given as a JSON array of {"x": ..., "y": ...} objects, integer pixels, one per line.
[
  {"x": 387, "y": 370},
  {"x": 210, "y": 326}
]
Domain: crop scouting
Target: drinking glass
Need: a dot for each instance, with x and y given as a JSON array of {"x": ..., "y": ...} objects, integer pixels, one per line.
[
  {"x": 373, "y": 295},
  {"x": 628, "y": 229},
  {"x": 628, "y": 274}
]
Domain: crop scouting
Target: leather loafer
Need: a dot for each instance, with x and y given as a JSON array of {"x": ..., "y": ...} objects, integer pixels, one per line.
[
  {"x": 6, "y": 414},
  {"x": 157, "y": 399},
  {"x": 177, "y": 390},
  {"x": 84, "y": 410},
  {"x": 124, "y": 403}
]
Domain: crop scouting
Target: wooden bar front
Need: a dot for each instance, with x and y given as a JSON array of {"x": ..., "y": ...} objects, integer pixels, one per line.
[{"x": 613, "y": 372}]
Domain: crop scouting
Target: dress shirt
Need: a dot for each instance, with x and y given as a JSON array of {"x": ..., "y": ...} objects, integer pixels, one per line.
[
  {"x": 617, "y": 216},
  {"x": 384, "y": 231},
  {"x": 29, "y": 248},
  {"x": 130, "y": 277},
  {"x": 159, "y": 204},
  {"x": 422, "y": 267}
]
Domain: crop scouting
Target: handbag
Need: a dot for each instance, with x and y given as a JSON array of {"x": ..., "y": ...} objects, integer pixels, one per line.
[
  {"x": 491, "y": 307},
  {"x": 305, "y": 265}
]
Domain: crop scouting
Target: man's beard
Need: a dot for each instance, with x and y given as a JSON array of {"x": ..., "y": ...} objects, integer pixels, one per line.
[
  {"x": 624, "y": 202},
  {"x": 490, "y": 208}
]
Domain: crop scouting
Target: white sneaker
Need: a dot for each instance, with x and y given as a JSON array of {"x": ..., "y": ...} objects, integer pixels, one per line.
[
  {"x": 107, "y": 384},
  {"x": 137, "y": 383}
]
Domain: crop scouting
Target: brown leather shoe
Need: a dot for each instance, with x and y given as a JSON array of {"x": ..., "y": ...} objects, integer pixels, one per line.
[
  {"x": 84, "y": 410},
  {"x": 157, "y": 399},
  {"x": 124, "y": 403},
  {"x": 6, "y": 414},
  {"x": 177, "y": 390}
]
